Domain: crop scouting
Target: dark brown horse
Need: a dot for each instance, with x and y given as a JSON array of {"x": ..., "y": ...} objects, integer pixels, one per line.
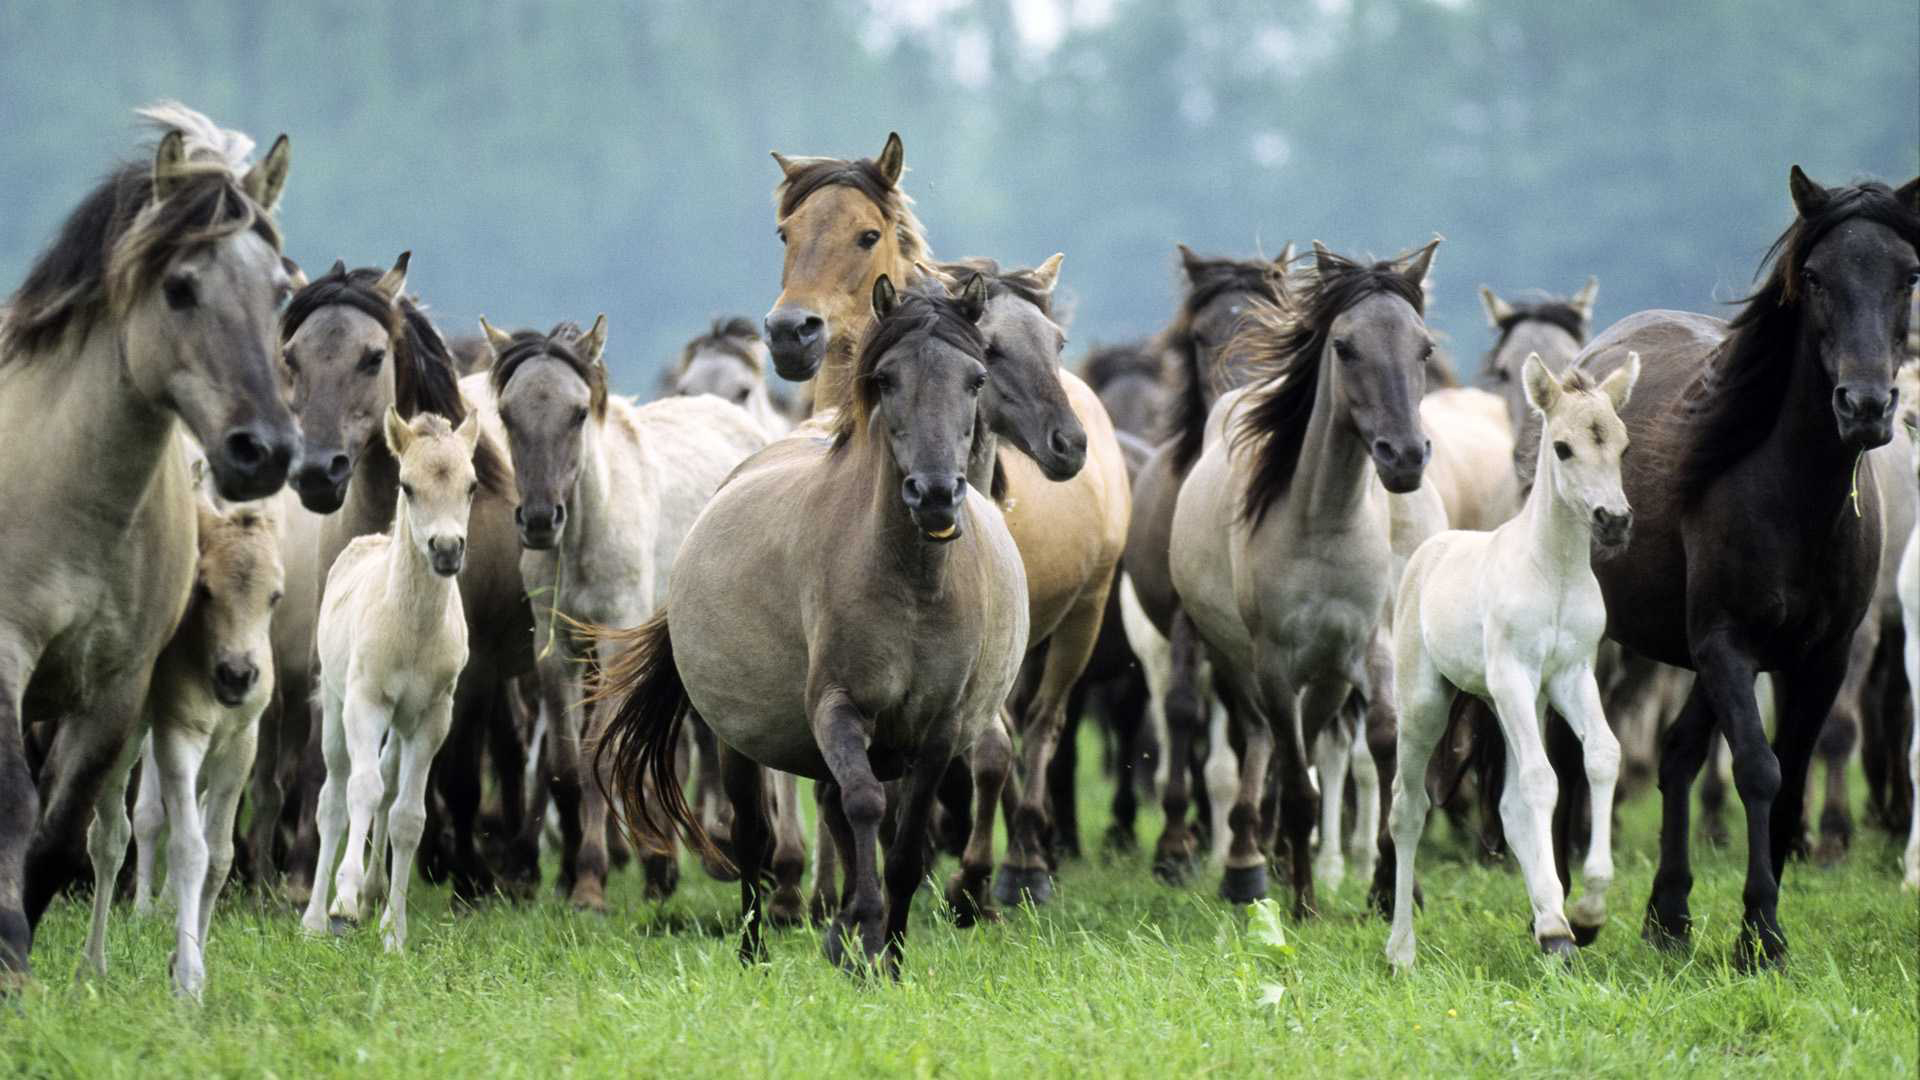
[{"x": 1753, "y": 549}]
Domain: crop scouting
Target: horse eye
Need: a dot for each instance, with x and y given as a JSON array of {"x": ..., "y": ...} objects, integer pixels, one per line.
[
  {"x": 782, "y": 234},
  {"x": 1811, "y": 280},
  {"x": 979, "y": 380},
  {"x": 370, "y": 361},
  {"x": 282, "y": 295},
  {"x": 472, "y": 487},
  {"x": 869, "y": 238},
  {"x": 882, "y": 381},
  {"x": 1343, "y": 350},
  {"x": 1563, "y": 450},
  {"x": 407, "y": 490},
  {"x": 741, "y": 395},
  {"x": 274, "y": 600},
  {"x": 179, "y": 292},
  {"x": 1913, "y": 280},
  {"x": 579, "y": 416},
  {"x": 293, "y": 365}
]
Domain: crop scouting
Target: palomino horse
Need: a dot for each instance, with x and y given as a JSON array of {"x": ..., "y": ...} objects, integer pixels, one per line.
[
  {"x": 392, "y": 642},
  {"x": 608, "y": 490},
  {"x": 1514, "y": 617},
  {"x": 355, "y": 345},
  {"x": 873, "y": 637},
  {"x": 1281, "y": 546},
  {"x": 152, "y": 308},
  {"x": 1754, "y": 549},
  {"x": 1196, "y": 369},
  {"x": 729, "y": 361},
  {"x": 845, "y": 223},
  {"x": 210, "y": 686}
]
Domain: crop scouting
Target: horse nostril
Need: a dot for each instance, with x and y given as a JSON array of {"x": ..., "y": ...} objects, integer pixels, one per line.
[
  {"x": 559, "y": 515},
  {"x": 338, "y": 468},
  {"x": 246, "y": 451},
  {"x": 910, "y": 491}
]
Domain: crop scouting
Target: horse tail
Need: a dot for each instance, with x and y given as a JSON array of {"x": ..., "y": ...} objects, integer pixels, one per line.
[{"x": 637, "y": 746}]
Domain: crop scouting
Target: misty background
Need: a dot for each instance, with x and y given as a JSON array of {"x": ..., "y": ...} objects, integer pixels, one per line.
[{"x": 550, "y": 161}]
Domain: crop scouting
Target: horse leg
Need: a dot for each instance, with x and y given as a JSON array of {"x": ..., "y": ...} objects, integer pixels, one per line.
[
  {"x": 1244, "y": 878},
  {"x": 86, "y": 748},
  {"x": 825, "y": 896},
  {"x": 907, "y": 855},
  {"x": 1062, "y": 772},
  {"x": 582, "y": 808},
  {"x": 261, "y": 868},
  {"x": 310, "y": 769},
  {"x": 788, "y": 906},
  {"x": 744, "y": 784},
  {"x": 841, "y": 733},
  {"x": 1804, "y": 700},
  {"x": 1221, "y": 774},
  {"x": 1838, "y": 738},
  {"x": 1526, "y": 804},
  {"x": 407, "y": 820},
  {"x": 1576, "y": 694},
  {"x": 107, "y": 844},
  {"x": 1363, "y": 846},
  {"x": 1713, "y": 793},
  {"x": 456, "y": 775},
  {"x": 709, "y": 795},
  {"x": 1910, "y": 656},
  {"x": 1669, "y": 923},
  {"x": 1183, "y": 711},
  {"x": 523, "y": 851},
  {"x": 330, "y": 812},
  {"x": 226, "y": 770},
  {"x": 1425, "y": 698},
  {"x": 1566, "y": 756},
  {"x": 1382, "y": 749},
  {"x": 149, "y": 818},
  {"x": 366, "y": 724},
  {"x": 375, "y": 887},
  {"x": 178, "y": 754},
  {"x": 1126, "y": 709},
  {"x": 19, "y": 810},
  {"x": 1331, "y": 750},
  {"x": 1025, "y": 871},
  {"x": 989, "y": 762}
]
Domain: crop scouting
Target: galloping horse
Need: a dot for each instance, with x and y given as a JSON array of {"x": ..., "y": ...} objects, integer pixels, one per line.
[
  {"x": 872, "y": 637},
  {"x": 1754, "y": 549},
  {"x": 153, "y": 308}
]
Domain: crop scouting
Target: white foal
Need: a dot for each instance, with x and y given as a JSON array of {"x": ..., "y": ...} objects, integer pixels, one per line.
[
  {"x": 210, "y": 686},
  {"x": 1515, "y": 616},
  {"x": 1908, "y": 380},
  {"x": 392, "y": 640}
]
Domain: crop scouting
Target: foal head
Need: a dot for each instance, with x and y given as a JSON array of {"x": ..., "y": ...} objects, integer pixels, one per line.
[
  {"x": 1581, "y": 443},
  {"x": 729, "y": 362},
  {"x": 549, "y": 386},
  {"x": 917, "y": 392},
  {"x": 237, "y": 583},
  {"x": 1024, "y": 402},
  {"x": 844, "y": 224},
  {"x": 437, "y": 482}
]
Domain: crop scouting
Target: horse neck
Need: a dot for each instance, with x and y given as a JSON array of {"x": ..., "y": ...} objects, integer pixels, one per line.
[
  {"x": 589, "y": 505},
  {"x": 833, "y": 384},
  {"x": 415, "y": 594},
  {"x": 108, "y": 430},
  {"x": 372, "y": 491},
  {"x": 1562, "y": 535},
  {"x": 983, "y": 458},
  {"x": 1330, "y": 481},
  {"x": 1804, "y": 446}
]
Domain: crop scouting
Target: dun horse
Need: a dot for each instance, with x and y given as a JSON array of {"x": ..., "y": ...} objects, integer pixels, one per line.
[
  {"x": 392, "y": 640},
  {"x": 730, "y": 362},
  {"x": 873, "y": 637},
  {"x": 1747, "y": 439},
  {"x": 152, "y": 309}
]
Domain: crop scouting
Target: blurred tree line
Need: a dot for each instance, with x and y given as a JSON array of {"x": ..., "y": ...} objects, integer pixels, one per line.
[{"x": 551, "y": 160}]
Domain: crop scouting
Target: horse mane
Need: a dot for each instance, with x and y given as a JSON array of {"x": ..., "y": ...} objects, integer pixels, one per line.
[
  {"x": 425, "y": 379},
  {"x": 1106, "y": 363},
  {"x": 864, "y": 176},
  {"x": 733, "y": 336},
  {"x": 1282, "y": 346},
  {"x": 1730, "y": 407},
  {"x": 557, "y": 343},
  {"x": 917, "y": 314},
  {"x": 115, "y": 245},
  {"x": 1180, "y": 374},
  {"x": 1021, "y": 283},
  {"x": 1540, "y": 307}
]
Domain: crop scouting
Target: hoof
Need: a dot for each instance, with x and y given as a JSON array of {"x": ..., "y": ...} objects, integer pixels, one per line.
[
  {"x": 1119, "y": 841},
  {"x": 297, "y": 893},
  {"x": 786, "y": 909},
  {"x": 588, "y": 896},
  {"x": 1562, "y": 947},
  {"x": 341, "y": 926},
  {"x": 821, "y": 908},
  {"x": 1584, "y": 936},
  {"x": 967, "y": 896},
  {"x": 1831, "y": 851},
  {"x": 1667, "y": 937},
  {"x": 662, "y": 874},
  {"x": 1244, "y": 884},
  {"x": 1755, "y": 952},
  {"x": 1015, "y": 885},
  {"x": 1172, "y": 870}
]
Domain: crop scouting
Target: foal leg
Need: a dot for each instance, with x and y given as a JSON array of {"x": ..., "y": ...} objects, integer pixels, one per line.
[
  {"x": 1911, "y": 657},
  {"x": 330, "y": 813},
  {"x": 788, "y": 907},
  {"x": 407, "y": 818},
  {"x": 226, "y": 771},
  {"x": 1331, "y": 750},
  {"x": 1425, "y": 698},
  {"x": 376, "y": 885},
  {"x": 149, "y": 818},
  {"x": 179, "y": 753},
  {"x": 1526, "y": 803},
  {"x": 841, "y": 733},
  {"x": 107, "y": 844},
  {"x": 1576, "y": 694},
  {"x": 1363, "y": 846},
  {"x": 989, "y": 761},
  {"x": 367, "y": 722}
]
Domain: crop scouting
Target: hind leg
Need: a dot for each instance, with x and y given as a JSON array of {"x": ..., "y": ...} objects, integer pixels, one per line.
[
  {"x": 1838, "y": 739},
  {"x": 788, "y": 906},
  {"x": 990, "y": 760},
  {"x": 149, "y": 819},
  {"x": 1363, "y": 845},
  {"x": 330, "y": 813},
  {"x": 86, "y": 749},
  {"x": 1183, "y": 708},
  {"x": 1222, "y": 775},
  {"x": 19, "y": 809},
  {"x": 907, "y": 855},
  {"x": 1126, "y": 714},
  {"x": 107, "y": 844},
  {"x": 376, "y": 885},
  {"x": 745, "y": 782},
  {"x": 1063, "y": 833}
]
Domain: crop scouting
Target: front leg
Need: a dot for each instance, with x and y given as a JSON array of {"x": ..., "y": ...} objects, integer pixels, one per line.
[
  {"x": 366, "y": 723},
  {"x": 149, "y": 818},
  {"x": 990, "y": 761},
  {"x": 1527, "y": 801},
  {"x": 841, "y": 732},
  {"x": 226, "y": 771},
  {"x": 1576, "y": 694},
  {"x": 178, "y": 753},
  {"x": 582, "y": 807},
  {"x": 407, "y": 819}
]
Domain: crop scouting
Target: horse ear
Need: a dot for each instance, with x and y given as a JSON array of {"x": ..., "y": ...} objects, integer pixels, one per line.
[
  {"x": 1582, "y": 301},
  {"x": 296, "y": 277},
  {"x": 469, "y": 431},
  {"x": 1808, "y": 196},
  {"x": 1190, "y": 262},
  {"x": 1543, "y": 390},
  {"x": 1285, "y": 258},
  {"x": 394, "y": 280},
  {"x": 338, "y": 269},
  {"x": 892, "y": 159},
  {"x": 1909, "y": 195},
  {"x": 399, "y": 435},
  {"x": 169, "y": 163},
  {"x": 594, "y": 345},
  {"x": 1498, "y": 310},
  {"x": 1420, "y": 264},
  {"x": 1322, "y": 258},
  {"x": 1619, "y": 386},
  {"x": 264, "y": 182},
  {"x": 1048, "y": 272},
  {"x": 947, "y": 281},
  {"x": 973, "y": 297},
  {"x": 497, "y": 339},
  {"x": 884, "y": 297},
  {"x": 787, "y": 165}
]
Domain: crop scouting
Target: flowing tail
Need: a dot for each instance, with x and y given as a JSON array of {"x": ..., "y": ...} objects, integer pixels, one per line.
[{"x": 647, "y": 707}]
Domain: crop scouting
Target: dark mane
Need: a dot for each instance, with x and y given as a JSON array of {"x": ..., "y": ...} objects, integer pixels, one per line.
[
  {"x": 1106, "y": 363},
  {"x": 557, "y": 343},
  {"x": 732, "y": 336},
  {"x": 113, "y": 248},
  {"x": 864, "y": 176},
  {"x": 425, "y": 379},
  {"x": 1024, "y": 284},
  {"x": 1282, "y": 349},
  {"x": 918, "y": 314},
  {"x": 1184, "y": 382},
  {"x": 1557, "y": 310},
  {"x": 1732, "y": 405}
]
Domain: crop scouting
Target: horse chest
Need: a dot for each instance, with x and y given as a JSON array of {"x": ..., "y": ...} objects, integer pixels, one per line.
[{"x": 1785, "y": 591}]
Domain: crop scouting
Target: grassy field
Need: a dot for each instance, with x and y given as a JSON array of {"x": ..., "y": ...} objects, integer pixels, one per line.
[{"x": 1119, "y": 977}]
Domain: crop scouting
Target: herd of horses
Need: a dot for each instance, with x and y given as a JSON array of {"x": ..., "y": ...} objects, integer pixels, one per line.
[{"x": 279, "y": 540}]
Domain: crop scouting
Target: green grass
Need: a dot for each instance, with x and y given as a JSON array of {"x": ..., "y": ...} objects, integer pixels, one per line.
[{"x": 1119, "y": 977}]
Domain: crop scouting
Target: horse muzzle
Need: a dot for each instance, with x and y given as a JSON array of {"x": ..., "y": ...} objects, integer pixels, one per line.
[
  {"x": 321, "y": 480},
  {"x": 447, "y": 556},
  {"x": 540, "y": 525},
  {"x": 251, "y": 462},
  {"x": 797, "y": 338},
  {"x": 1612, "y": 531},
  {"x": 1865, "y": 417},
  {"x": 1401, "y": 465}
]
